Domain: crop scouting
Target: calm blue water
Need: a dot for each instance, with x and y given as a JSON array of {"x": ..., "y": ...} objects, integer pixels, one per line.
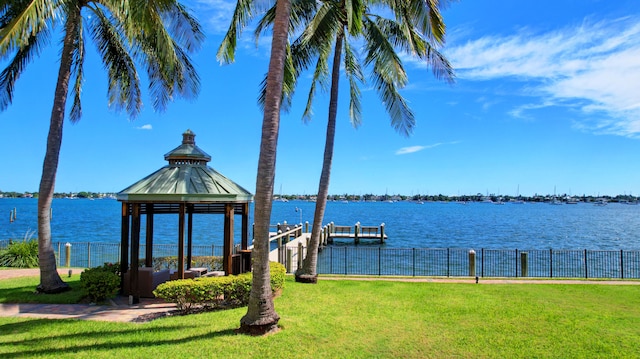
[{"x": 408, "y": 225}]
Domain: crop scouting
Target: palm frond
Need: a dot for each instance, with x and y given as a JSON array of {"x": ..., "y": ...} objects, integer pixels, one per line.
[
  {"x": 77, "y": 69},
  {"x": 23, "y": 20},
  {"x": 186, "y": 30},
  {"x": 388, "y": 76},
  {"x": 124, "y": 84},
  {"x": 381, "y": 53},
  {"x": 353, "y": 71},
  {"x": 168, "y": 65},
  {"x": 29, "y": 49},
  {"x": 354, "y": 10},
  {"x": 243, "y": 13}
]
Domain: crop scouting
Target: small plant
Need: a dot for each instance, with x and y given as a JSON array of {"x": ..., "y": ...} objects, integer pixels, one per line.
[
  {"x": 20, "y": 254},
  {"x": 100, "y": 283}
]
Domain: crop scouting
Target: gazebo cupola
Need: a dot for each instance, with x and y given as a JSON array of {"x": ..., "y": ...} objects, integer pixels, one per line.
[
  {"x": 187, "y": 153},
  {"x": 185, "y": 186}
]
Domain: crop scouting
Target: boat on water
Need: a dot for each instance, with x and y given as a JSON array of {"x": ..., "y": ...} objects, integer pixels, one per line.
[{"x": 600, "y": 202}]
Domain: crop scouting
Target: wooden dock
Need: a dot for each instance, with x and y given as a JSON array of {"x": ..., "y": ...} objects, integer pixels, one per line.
[
  {"x": 356, "y": 233},
  {"x": 293, "y": 242}
]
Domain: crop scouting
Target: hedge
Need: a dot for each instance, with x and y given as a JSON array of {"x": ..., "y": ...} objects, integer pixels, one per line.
[{"x": 215, "y": 292}]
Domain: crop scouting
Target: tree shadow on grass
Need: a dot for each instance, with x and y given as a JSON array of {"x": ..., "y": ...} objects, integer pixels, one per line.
[{"x": 95, "y": 339}]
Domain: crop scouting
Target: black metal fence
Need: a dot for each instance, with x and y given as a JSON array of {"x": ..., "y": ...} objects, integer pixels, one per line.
[
  {"x": 449, "y": 262},
  {"x": 427, "y": 262}
]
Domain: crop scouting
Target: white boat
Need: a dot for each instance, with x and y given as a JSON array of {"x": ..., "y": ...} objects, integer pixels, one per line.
[
  {"x": 555, "y": 201},
  {"x": 600, "y": 202}
]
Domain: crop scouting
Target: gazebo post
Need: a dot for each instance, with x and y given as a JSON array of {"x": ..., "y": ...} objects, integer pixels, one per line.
[
  {"x": 181, "y": 241},
  {"x": 124, "y": 244},
  {"x": 135, "y": 253},
  {"x": 189, "y": 237},
  {"x": 245, "y": 226},
  {"x": 148, "y": 256},
  {"x": 227, "y": 257}
]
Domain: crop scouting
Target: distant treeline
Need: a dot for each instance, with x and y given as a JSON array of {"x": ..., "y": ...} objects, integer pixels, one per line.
[
  {"x": 82, "y": 194},
  {"x": 479, "y": 197},
  {"x": 466, "y": 198}
]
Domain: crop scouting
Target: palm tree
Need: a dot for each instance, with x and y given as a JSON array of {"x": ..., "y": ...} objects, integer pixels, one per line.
[
  {"x": 261, "y": 317},
  {"x": 159, "y": 33},
  {"x": 417, "y": 29}
]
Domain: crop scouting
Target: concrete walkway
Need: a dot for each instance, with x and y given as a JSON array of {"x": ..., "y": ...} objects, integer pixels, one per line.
[{"x": 118, "y": 309}]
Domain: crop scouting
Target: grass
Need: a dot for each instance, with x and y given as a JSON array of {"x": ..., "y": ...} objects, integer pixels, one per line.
[
  {"x": 365, "y": 319},
  {"x": 22, "y": 290}
]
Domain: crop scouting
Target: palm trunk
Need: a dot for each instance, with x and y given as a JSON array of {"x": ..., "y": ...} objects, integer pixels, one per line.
[
  {"x": 261, "y": 317},
  {"x": 50, "y": 281},
  {"x": 308, "y": 273}
]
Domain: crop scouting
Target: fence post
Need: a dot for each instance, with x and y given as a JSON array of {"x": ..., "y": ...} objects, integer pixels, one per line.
[
  {"x": 621, "y": 264},
  {"x": 524, "y": 264},
  {"x": 551, "y": 262},
  {"x": 59, "y": 254},
  {"x": 586, "y": 270},
  {"x": 67, "y": 252},
  {"x": 414, "y": 262},
  {"x": 289, "y": 259},
  {"x": 379, "y": 261},
  {"x": 345, "y": 260},
  {"x": 448, "y": 262},
  {"x": 299, "y": 255},
  {"x": 482, "y": 263},
  {"x": 472, "y": 263},
  {"x": 280, "y": 250}
]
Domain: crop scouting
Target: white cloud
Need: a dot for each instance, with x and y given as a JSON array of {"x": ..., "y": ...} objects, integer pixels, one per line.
[
  {"x": 593, "y": 67},
  {"x": 413, "y": 149},
  {"x": 145, "y": 127}
]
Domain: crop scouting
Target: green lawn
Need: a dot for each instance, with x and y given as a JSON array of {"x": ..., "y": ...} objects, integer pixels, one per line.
[{"x": 366, "y": 319}]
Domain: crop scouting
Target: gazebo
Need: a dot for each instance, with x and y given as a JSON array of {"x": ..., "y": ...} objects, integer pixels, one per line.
[{"x": 186, "y": 186}]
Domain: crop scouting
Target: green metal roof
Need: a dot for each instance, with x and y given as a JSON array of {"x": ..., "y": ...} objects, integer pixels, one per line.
[{"x": 186, "y": 178}]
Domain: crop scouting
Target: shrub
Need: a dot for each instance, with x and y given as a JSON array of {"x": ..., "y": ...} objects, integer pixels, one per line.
[
  {"x": 100, "y": 283},
  {"x": 111, "y": 268},
  {"x": 278, "y": 275},
  {"x": 22, "y": 254},
  {"x": 215, "y": 292}
]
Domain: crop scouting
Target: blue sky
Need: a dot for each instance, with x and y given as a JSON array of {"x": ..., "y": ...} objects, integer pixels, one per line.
[{"x": 547, "y": 97}]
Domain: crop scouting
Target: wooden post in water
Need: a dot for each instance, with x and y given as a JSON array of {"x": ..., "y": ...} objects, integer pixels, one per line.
[
  {"x": 472, "y": 263},
  {"x": 15, "y": 213},
  {"x": 306, "y": 227},
  {"x": 524, "y": 264},
  {"x": 382, "y": 233},
  {"x": 11, "y": 216},
  {"x": 356, "y": 232}
]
